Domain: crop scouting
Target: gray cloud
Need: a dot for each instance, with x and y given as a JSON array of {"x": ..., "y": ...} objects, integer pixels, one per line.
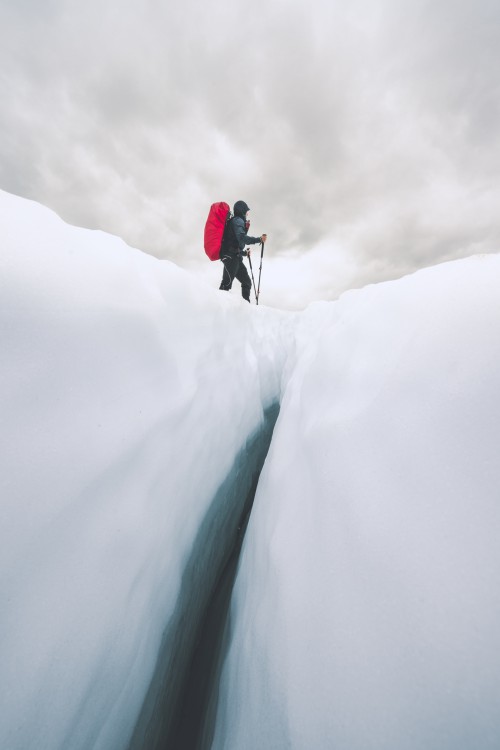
[{"x": 364, "y": 139}]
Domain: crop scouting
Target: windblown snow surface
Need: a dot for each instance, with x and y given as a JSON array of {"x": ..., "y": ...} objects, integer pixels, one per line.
[{"x": 366, "y": 612}]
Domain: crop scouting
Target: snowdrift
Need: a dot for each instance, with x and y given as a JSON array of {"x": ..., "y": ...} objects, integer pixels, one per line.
[
  {"x": 366, "y": 611},
  {"x": 127, "y": 392}
]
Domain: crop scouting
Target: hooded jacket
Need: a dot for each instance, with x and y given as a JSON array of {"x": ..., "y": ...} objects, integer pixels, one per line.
[{"x": 236, "y": 237}]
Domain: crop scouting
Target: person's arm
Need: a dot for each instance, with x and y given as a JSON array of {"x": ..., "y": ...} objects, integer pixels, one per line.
[{"x": 242, "y": 238}]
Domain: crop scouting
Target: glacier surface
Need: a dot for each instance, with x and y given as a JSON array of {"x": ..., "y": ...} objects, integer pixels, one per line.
[{"x": 366, "y": 610}]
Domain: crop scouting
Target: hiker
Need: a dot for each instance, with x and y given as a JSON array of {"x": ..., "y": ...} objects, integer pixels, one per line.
[{"x": 233, "y": 250}]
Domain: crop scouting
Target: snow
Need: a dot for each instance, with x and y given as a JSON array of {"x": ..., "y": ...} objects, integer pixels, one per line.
[
  {"x": 366, "y": 609},
  {"x": 127, "y": 391}
]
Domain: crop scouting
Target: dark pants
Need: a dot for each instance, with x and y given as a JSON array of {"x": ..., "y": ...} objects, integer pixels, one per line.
[{"x": 234, "y": 268}]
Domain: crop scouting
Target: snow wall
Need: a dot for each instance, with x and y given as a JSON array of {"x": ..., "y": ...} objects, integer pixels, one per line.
[
  {"x": 366, "y": 609},
  {"x": 366, "y": 613},
  {"x": 128, "y": 391}
]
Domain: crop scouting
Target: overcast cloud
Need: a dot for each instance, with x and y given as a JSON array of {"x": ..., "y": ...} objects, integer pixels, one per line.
[{"x": 363, "y": 134}]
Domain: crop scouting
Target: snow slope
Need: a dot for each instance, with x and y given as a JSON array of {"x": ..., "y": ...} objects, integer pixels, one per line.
[
  {"x": 366, "y": 613},
  {"x": 127, "y": 389}
]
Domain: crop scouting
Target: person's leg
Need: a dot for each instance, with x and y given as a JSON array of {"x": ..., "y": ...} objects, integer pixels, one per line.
[
  {"x": 244, "y": 279},
  {"x": 230, "y": 263}
]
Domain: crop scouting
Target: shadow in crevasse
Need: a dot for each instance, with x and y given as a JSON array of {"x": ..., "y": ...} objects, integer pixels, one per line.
[{"x": 179, "y": 710}]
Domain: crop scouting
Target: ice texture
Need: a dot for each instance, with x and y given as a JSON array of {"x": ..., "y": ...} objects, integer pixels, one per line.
[
  {"x": 366, "y": 613},
  {"x": 127, "y": 391}
]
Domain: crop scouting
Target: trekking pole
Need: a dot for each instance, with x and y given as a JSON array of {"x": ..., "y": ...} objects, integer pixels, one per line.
[
  {"x": 260, "y": 269},
  {"x": 253, "y": 280}
]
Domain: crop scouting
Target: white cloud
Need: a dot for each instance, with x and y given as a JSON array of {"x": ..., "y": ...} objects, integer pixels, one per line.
[{"x": 370, "y": 128}]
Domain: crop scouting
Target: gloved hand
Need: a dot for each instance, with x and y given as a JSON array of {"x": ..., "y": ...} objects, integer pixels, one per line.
[{"x": 263, "y": 238}]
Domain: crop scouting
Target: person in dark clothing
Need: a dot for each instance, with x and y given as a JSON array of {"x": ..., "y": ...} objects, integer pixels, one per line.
[{"x": 233, "y": 250}]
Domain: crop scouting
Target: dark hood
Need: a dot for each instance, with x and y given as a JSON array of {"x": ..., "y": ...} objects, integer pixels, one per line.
[{"x": 240, "y": 208}]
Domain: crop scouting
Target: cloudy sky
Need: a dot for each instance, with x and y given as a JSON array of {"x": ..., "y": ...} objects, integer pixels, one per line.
[{"x": 364, "y": 134}]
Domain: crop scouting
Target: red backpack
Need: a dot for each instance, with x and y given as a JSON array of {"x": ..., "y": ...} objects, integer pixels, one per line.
[{"x": 218, "y": 216}]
